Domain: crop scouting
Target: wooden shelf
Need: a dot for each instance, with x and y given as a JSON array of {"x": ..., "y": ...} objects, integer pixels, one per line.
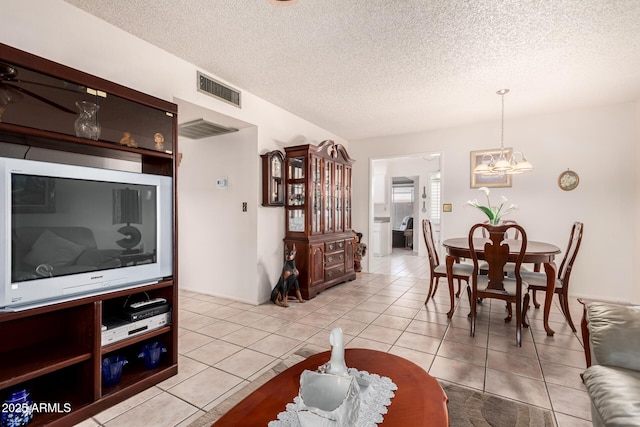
[
  {"x": 134, "y": 340},
  {"x": 133, "y": 374},
  {"x": 25, "y": 364},
  {"x": 55, "y": 351},
  {"x": 50, "y": 418}
]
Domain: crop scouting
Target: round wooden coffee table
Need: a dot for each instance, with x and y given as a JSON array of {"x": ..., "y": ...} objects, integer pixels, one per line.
[{"x": 419, "y": 400}]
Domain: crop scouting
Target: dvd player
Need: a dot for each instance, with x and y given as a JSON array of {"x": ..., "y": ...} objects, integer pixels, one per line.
[
  {"x": 135, "y": 314},
  {"x": 119, "y": 329}
]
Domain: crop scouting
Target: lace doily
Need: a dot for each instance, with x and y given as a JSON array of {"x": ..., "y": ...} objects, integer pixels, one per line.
[{"x": 374, "y": 400}]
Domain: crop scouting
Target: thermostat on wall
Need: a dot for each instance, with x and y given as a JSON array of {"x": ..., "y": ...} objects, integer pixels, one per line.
[{"x": 222, "y": 183}]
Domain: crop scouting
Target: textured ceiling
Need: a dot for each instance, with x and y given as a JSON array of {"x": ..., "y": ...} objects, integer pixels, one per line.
[{"x": 363, "y": 68}]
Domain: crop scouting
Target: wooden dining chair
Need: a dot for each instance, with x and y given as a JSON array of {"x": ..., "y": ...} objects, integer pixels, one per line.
[
  {"x": 538, "y": 281},
  {"x": 437, "y": 270},
  {"x": 495, "y": 284},
  {"x": 513, "y": 234}
]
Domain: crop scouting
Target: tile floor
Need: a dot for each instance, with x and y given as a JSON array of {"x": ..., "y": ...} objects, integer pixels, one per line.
[{"x": 225, "y": 344}]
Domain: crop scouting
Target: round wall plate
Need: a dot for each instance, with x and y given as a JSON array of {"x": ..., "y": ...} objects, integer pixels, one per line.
[{"x": 568, "y": 180}]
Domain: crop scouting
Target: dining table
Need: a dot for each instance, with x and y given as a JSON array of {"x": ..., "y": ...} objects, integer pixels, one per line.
[{"x": 540, "y": 254}]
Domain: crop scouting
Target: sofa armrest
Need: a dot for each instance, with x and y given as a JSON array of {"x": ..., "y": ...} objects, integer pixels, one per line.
[
  {"x": 610, "y": 333},
  {"x": 584, "y": 327}
]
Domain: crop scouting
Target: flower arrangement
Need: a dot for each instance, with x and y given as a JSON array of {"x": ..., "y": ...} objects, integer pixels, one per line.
[{"x": 495, "y": 213}]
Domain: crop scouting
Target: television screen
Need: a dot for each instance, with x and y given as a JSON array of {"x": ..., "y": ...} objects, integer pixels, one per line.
[{"x": 65, "y": 226}]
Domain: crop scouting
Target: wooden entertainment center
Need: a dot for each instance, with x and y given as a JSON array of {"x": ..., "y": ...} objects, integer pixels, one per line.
[{"x": 55, "y": 351}]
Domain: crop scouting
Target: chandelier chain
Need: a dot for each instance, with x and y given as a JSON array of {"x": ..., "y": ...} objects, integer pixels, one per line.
[{"x": 502, "y": 132}]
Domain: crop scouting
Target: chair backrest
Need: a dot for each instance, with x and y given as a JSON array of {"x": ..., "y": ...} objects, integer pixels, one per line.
[
  {"x": 515, "y": 234},
  {"x": 572, "y": 251},
  {"x": 495, "y": 251},
  {"x": 432, "y": 253}
]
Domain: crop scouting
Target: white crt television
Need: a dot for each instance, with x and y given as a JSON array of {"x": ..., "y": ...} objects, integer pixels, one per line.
[{"x": 73, "y": 231}]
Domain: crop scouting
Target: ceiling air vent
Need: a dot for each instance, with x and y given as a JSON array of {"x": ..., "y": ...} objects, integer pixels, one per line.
[
  {"x": 200, "y": 128},
  {"x": 216, "y": 89}
]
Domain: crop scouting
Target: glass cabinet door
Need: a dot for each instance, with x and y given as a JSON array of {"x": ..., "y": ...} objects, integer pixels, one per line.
[
  {"x": 339, "y": 197},
  {"x": 120, "y": 122},
  {"x": 328, "y": 196},
  {"x": 35, "y": 100},
  {"x": 296, "y": 196},
  {"x": 316, "y": 196},
  {"x": 276, "y": 194},
  {"x": 296, "y": 168},
  {"x": 274, "y": 191},
  {"x": 347, "y": 198},
  {"x": 295, "y": 220}
]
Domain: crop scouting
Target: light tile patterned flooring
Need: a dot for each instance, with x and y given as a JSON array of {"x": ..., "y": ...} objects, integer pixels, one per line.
[{"x": 224, "y": 344}]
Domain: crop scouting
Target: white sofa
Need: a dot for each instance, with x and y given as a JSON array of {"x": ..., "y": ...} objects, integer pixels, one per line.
[{"x": 611, "y": 335}]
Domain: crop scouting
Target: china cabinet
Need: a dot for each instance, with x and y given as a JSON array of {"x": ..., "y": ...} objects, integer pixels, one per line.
[
  {"x": 318, "y": 214},
  {"x": 55, "y": 351},
  {"x": 272, "y": 178}
]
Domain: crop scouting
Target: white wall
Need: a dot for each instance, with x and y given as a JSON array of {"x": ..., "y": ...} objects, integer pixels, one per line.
[
  {"x": 212, "y": 219},
  {"x": 599, "y": 144},
  {"x": 62, "y": 33}
]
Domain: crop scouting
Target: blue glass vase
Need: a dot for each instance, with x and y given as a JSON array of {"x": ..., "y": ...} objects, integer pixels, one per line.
[
  {"x": 112, "y": 370},
  {"x": 17, "y": 409},
  {"x": 151, "y": 354}
]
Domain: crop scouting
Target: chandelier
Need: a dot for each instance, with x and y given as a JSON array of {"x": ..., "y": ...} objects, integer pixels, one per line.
[{"x": 512, "y": 165}]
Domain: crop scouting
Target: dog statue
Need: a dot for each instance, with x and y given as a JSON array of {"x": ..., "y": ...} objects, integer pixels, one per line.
[{"x": 288, "y": 278}]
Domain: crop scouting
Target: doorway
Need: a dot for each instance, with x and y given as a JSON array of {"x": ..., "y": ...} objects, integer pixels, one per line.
[
  {"x": 402, "y": 211},
  {"x": 405, "y": 189}
]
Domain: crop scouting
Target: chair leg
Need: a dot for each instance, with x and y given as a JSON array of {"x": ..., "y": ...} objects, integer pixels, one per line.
[
  {"x": 525, "y": 304},
  {"x": 560, "y": 298},
  {"x": 535, "y": 300},
  {"x": 564, "y": 303},
  {"x": 435, "y": 288},
  {"x": 472, "y": 299},
  {"x": 519, "y": 319},
  {"x": 510, "y": 313},
  {"x": 430, "y": 289},
  {"x": 469, "y": 295},
  {"x": 459, "y": 287}
]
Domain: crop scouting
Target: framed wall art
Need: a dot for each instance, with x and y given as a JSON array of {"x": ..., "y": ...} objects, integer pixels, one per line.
[
  {"x": 568, "y": 180},
  {"x": 485, "y": 156}
]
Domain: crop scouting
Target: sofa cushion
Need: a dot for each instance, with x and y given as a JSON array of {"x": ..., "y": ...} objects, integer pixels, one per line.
[
  {"x": 53, "y": 250},
  {"x": 614, "y": 332},
  {"x": 615, "y": 394}
]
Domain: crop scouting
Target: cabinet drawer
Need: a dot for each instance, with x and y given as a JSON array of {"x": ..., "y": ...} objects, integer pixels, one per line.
[
  {"x": 333, "y": 259},
  {"x": 333, "y": 272},
  {"x": 334, "y": 246}
]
